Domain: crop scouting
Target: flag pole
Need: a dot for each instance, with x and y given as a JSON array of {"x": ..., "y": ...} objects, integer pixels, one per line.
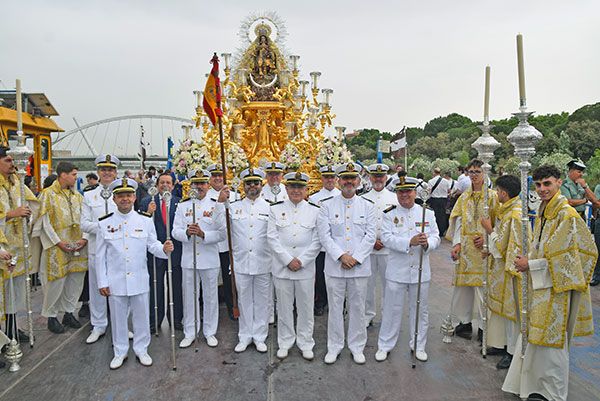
[
  {"x": 405, "y": 150},
  {"x": 236, "y": 311}
]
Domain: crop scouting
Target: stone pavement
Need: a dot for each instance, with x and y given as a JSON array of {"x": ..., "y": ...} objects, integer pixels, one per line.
[{"x": 63, "y": 367}]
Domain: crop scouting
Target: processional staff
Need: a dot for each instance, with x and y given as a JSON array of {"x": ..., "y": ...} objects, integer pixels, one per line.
[
  {"x": 152, "y": 191},
  {"x": 485, "y": 146},
  {"x": 193, "y": 194},
  {"x": 425, "y": 196},
  {"x": 523, "y": 138},
  {"x": 166, "y": 195}
]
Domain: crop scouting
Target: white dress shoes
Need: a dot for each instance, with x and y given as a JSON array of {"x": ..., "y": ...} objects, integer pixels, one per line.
[
  {"x": 359, "y": 358},
  {"x": 308, "y": 355},
  {"x": 241, "y": 347},
  {"x": 422, "y": 356},
  {"x": 260, "y": 346},
  {"x": 212, "y": 341},
  {"x": 145, "y": 359},
  {"x": 380, "y": 355},
  {"x": 282, "y": 353},
  {"x": 186, "y": 342},
  {"x": 330, "y": 358},
  {"x": 94, "y": 336},
  {"x": 117, "y": 362}
]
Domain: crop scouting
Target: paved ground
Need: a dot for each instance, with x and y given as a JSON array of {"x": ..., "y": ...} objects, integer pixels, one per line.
[{"x": 63, "y": 367}]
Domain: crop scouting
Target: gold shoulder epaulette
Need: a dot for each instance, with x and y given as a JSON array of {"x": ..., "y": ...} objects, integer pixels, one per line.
[
  {"x": 367, "y": 199},
  {"x": 146, "y": 214},
  {"x": 276, "y": 203},
  {"x": 326, "y": 199},
  {"x": 105, "y": 216},
  {"x": 184, "y": 200},
  {"x": 313, "y": 204}
]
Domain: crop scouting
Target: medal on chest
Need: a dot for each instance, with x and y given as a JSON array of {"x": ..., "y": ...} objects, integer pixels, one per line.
[
  {"x": 207, "y": 213},
  {"x": 112, "y": 229}
]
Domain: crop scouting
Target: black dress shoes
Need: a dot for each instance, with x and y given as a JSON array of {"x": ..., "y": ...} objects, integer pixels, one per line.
[
  {"x": 495, "y": 351},
  {"x": 55, "y": 326},
  {"x": 536, "y": 397},
  {"x": 84, "y": 311},
  {"x": 464, "y": 330},
  {"x": 594, "y": 282},
  {"x": 70, "y": 321},
  {"x": 504, "y": 363}
]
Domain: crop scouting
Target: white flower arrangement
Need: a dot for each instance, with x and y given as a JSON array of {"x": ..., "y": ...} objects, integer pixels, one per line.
[
  {"x": 333, "y": 153},
  {"x": 291, "y": 157},
  {"x": 191, "y": 155},
  {"x": 236, "y": 158}
]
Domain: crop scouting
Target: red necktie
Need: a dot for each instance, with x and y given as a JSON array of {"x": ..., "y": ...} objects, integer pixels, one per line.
[{"x": 163, "y": 209}]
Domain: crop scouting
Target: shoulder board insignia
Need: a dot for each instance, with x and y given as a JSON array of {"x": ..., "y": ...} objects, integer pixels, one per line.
[
  {"x": 213, "y": 199},
  {"x": 90, "y": 187},
  {"x": 314, "y": 204},
  {"x": 367, "y": 199},
  {"x": 389, "y": 209},
  {"x": 233, "y": 201},
  {"x": 105, "y": 216},
  {"x": 276, "y": 203},
  {"x": 184, "y": 200},
  {"x": 326, "y": 199},
  {"x": 146, "y": 214}
]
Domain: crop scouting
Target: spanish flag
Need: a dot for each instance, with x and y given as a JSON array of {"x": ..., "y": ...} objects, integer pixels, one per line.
[{"x": 212, "y": 93}]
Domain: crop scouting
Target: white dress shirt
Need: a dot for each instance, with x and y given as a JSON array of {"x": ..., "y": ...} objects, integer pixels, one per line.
[
  {"x": 347, "y": 226},
  {"x": 92, "y": 209},
  {"x": 382, "y": 200},
  {"x": 441, "y": 190},
  {"x": 268, "y": 195},
  {"x": 293, "y": 234}
]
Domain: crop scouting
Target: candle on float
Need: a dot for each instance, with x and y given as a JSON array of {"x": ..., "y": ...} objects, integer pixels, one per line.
[
  {"x": 19, "y": 107},
  {"x": 521, "y": 67},
  {"x": 486, "y": 100}
]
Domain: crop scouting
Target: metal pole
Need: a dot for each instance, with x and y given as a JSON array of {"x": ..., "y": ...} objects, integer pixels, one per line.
[
  {"x": 421, "y": 254},
  {"x": 167, "y": 198},
  {"x": 153, "y": 191},
  {"x": 193, "y": 194}
]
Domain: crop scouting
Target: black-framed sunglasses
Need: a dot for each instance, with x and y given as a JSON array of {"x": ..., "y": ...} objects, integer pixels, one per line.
[{"x": 249, "y": 183}]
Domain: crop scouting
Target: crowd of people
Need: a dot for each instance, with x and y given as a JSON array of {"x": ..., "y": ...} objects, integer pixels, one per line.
[{"x": 114, "y": 246}]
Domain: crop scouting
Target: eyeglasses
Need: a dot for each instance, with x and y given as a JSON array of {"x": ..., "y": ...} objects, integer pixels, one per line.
[
  {"x": 474, "y": 172},
  {"x": 249, "y": 183}
]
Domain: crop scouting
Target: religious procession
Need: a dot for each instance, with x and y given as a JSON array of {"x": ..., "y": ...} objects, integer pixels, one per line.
[{"x": 265, "y": 242}]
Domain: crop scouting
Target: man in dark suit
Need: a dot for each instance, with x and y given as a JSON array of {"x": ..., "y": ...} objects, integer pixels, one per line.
[{"x": 157, "y": 207}]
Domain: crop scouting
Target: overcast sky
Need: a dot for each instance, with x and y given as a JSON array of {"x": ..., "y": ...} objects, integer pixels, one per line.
[{"x": 390, "y": 63}]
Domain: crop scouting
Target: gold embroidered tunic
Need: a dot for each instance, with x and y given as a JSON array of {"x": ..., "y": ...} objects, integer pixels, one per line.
[
  {"x": 10, "y": 199},
  {"x": 561, "y": 260},
  {"x": 505, "y": 245},
  {"x": 465, "y": 222},
  {"x": 60, "y": 216}
]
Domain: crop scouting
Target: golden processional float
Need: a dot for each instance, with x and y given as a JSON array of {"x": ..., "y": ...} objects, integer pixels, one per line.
[{"x": 269, "y": 113}]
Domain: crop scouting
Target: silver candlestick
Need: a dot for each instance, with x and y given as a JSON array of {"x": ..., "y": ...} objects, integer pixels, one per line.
[
  {"x": 523, "y": 138},
  {"x": 485, "y": 146}
]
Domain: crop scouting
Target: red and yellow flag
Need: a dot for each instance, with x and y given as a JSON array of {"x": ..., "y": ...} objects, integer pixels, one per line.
[{"x": 212, "y": 93}]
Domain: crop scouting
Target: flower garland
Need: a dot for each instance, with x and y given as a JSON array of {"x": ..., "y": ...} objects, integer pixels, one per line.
[
  {"x": 333, "y": 153},
  {"x": 291, "y": 157},
  {"x": 191, "y": 155},
  {"x": 236, "y": 158}
]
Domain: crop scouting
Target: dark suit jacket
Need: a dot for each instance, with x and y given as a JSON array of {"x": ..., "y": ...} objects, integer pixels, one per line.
[{"x": 161, "y": 230}]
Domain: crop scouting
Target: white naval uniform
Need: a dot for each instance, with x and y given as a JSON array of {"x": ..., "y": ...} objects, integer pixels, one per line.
[
  {"x": 249, "y": 220},
  {"x": 382, "y": 200},
  {"x": 317, "y": 197},
  {"x": 212, "y": 221},
  {"x": 92, "y": 209},
  {"x": 293, "y": 234},
  {"x": 214, "y": 194},
  {"x": 347, "y": 226},
  {"x": 269, "y": 196},
  {"x": 402, "y": 275},
  {"x": 122, "y": 241}
]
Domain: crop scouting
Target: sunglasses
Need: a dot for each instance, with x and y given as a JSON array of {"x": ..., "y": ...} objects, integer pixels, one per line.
[
  {"x": 250, "y": 183},
  {"x": 474, "y": 172}
]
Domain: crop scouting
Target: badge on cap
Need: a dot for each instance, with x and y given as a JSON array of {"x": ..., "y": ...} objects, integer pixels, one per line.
[{"x": 350, "y": 167}]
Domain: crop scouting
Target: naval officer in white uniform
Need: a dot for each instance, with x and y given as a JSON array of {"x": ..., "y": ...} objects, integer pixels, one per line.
[
  {"x": 346, "y": 227},
  {"x": 401, "y": 233},
  {"x": 207, "y": 231},
  {"x": 294, "y": 242},
  {"x": 122, "y": 240}
]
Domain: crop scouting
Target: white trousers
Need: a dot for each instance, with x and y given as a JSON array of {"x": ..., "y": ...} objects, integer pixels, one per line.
[
  {"x": 378, "y": 267},
  {"x": 544, "y": 370},
  {"x": 98, "y": 308},
  {"x": 502, "y": 332},
  {"x": 139, "y": 305},
  {"x": 354, "y": 292},
  {"x": 303, "y": 292},
  {"x": 393, "y": 309},
  {"x": 253, "y": 302},
  {"x": 208, "y": 278},
  {"x": 14, "y": 301},
  {"x": 61, "y": 295},
  {"x": 465, "y": 301}
]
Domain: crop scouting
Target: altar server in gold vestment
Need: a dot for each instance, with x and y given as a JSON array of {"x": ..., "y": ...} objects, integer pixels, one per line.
[
  {"x": 64, "y": 256},
  {"x": 464, "y": 231},
  {"x": 560, "y": 264}
]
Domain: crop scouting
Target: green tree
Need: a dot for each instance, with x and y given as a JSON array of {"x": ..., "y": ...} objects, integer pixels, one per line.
[
  {"x": 584, "y": 137},
  {"x": 592, "y": 171},
  {"x": 420, "y": 165},
  {"x": 442, "y": 124},
  {"x": 558, "y": 160},
  {"x": 587, "y": 112}
]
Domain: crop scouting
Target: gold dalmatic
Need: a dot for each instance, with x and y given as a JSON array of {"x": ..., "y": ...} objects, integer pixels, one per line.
[
  {"x": 503, "y": 277},
  {"x": 9, "y": 200},
  {"x": 4, "y": 268},
  {"x": 63, "y": 207},
  {"x": 563, "y": 239},
  {"x": 469, "y": 207}
]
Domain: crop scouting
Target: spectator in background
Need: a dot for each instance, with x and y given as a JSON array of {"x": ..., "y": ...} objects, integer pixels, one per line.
[
  {"x": 49, "y": 180},
  {"x": 92, "y": 180},
  {"x": 596, "y": 277},
  {"x": 463, "y": 182},
  {"x": 438, "y": 197},
  {"x": 31, "y": 183},
  {"x": 421, "y": 188}
]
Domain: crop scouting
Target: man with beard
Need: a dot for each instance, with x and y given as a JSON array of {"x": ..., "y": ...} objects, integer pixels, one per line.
[{"x": 346, "y": 227}]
